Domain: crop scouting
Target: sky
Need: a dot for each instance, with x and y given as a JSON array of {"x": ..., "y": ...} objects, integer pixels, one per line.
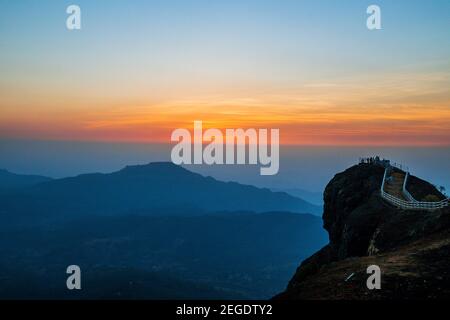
[{"x": 137, "y": 70}]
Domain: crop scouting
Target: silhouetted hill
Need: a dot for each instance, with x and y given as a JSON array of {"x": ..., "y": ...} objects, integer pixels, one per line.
[
  {"x": 315, "y": 198},
  {"x": 148, "y": 189},
  {"x": 9, "y": 180},
  {"x": 230, "y": 255},
  {"x": 152, "y": 231},
  {"x": 412, "y": 247},
  {"x": 105, "y": 282}
]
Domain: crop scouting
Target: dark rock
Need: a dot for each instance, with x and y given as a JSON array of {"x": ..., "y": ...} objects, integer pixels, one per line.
[{"x": 363, "y": 228}]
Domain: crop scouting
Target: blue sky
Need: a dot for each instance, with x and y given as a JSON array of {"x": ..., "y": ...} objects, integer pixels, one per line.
[{"x": 285, "y": 40}]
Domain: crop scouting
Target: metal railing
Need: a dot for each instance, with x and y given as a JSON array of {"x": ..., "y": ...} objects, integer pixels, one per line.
[
  {"x": 406, "y": 193},
  {"x": 411, "y": 204},
  {"x": 400, "y": 166}
]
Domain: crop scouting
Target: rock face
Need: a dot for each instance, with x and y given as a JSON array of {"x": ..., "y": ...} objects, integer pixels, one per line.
[{"x": 412, "y": 248}]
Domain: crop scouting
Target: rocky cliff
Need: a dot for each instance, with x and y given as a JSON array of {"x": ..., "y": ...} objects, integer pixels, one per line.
[{"x": 412, "y": 248}]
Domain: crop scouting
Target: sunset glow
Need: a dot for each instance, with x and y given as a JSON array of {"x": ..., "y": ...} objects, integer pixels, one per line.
[{"x": 89, "y": 87}]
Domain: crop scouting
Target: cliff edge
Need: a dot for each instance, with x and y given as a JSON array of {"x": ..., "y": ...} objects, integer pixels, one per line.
[{"x": 411, "y": 247}]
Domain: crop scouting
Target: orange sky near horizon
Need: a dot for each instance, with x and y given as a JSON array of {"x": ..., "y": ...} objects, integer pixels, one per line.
[{"x": 388, "y": 110}]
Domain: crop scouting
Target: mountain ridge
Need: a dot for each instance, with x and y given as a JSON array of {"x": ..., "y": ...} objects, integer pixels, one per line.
[
  {"x": 153, "y": 188},
  {"x": 10, "y": 180}
]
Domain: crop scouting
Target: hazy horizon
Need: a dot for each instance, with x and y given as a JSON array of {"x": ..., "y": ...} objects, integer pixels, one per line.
[{"x": 301, "y": 167}]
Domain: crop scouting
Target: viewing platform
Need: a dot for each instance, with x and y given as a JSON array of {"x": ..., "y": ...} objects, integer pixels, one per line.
[{"x": 393, "y": 188}]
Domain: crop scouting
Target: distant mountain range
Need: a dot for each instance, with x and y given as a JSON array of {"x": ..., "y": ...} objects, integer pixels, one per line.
[
  {"x": 10, "y": 180},
  {"x": 315, "y": 198},
  {"x": 149, "y": 189},
  {"x": 155, "y": 231},
  {"x": 233, "y": 256}
]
